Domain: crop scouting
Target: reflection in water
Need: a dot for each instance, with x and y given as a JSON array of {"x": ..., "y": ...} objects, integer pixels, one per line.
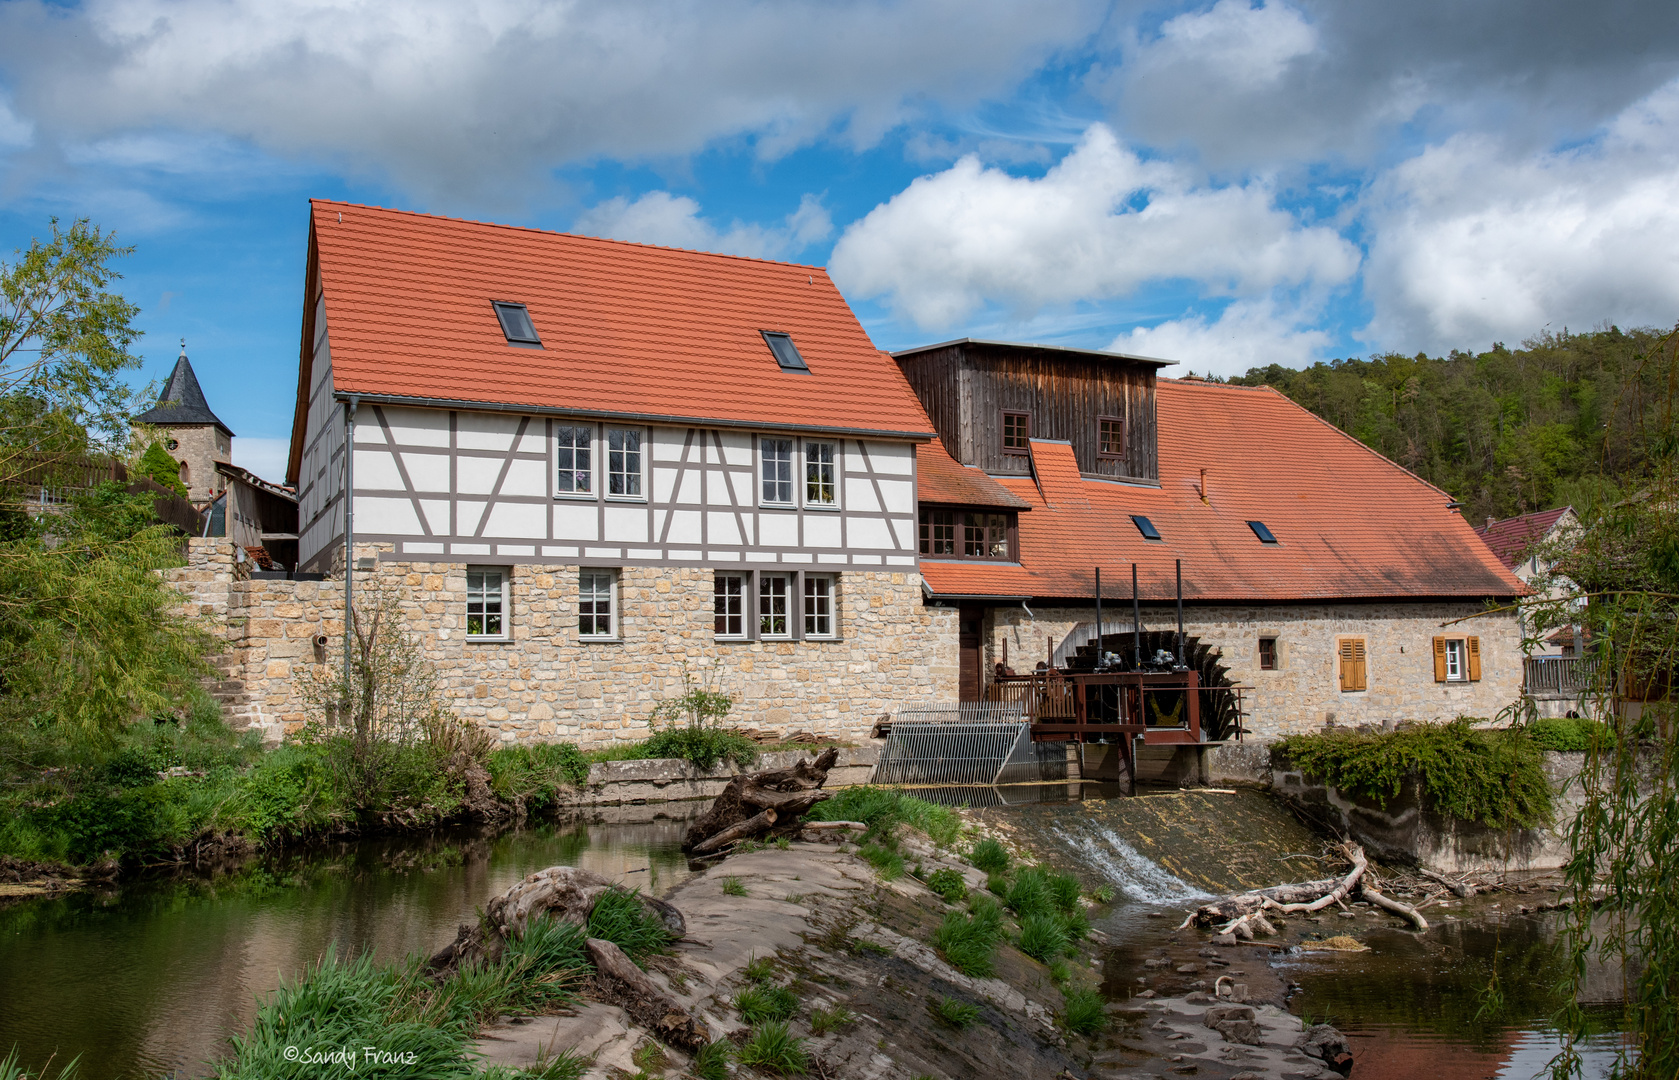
[{"x": 153, "y": 977}]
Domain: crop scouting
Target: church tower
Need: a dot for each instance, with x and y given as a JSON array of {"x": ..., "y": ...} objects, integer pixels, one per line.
[{"x": 193, "y": 435}]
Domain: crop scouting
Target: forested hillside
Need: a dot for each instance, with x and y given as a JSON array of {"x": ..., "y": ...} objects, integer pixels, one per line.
[{"x": 1567, "y": 419}]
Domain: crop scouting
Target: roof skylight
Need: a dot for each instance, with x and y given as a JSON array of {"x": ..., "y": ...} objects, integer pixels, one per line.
[
  {"x": 1145, "y": 526},
  {"x": 516, "y": 323},
  {"x": 1262, "y": 532},
  {"x": 786, "y": 353}
]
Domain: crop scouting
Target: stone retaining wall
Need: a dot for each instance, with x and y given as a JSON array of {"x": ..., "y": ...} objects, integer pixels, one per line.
[{"x": 543, "y": 683}]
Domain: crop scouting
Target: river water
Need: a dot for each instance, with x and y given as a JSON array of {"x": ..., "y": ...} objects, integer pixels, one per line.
[{"x": 151, "y": 978}]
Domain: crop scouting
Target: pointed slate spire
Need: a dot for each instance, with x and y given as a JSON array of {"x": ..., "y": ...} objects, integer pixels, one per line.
[{"x": 182, "y": 401}]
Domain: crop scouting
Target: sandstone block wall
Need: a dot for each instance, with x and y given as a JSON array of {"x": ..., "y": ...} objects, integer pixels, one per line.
[
  {"x": 544, "y": 683},
  {"x": 1304, "y": 692}
]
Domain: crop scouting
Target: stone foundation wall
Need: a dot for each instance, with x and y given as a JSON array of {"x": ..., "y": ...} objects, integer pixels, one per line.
[
  {"x": 544, "y": 683},
  {"x": 1304, "y": 692}
]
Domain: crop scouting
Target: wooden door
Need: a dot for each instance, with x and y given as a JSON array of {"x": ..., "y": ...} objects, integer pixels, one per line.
[{"x": 973, "y": 651}]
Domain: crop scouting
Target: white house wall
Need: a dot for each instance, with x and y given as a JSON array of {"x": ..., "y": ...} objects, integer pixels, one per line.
[
  {"x": 481, "y": 485},
  {"x": 320, "y": 481}
]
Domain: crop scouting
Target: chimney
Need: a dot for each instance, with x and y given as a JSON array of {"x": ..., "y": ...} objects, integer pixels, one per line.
[{"x": 1204, "y": 487}]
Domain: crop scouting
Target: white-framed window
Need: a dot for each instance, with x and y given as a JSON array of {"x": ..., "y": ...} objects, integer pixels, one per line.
[
  {"x": 729, "y": 595},
  {"x": 821, "y": 474},
  {"x": 819, "y": 606},
  {"x": 775, "y": 471},
  {"x": 775, "y": 605},
  {"x": 1454, "y": 660},
  {"x": 574, "y": 459},
  {"x": 486, "y": 603},
  {"x": 623, "y": 463},
  {"x": 597, "y": 603}
]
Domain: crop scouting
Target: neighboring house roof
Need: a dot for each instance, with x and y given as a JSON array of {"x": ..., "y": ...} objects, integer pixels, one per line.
[
  {"x": 626, "y": 329},
  {"x": 246, "y": 476},
  {"x": 1099, "y": 354},
  {"x": 182, "y": 401},
  {"x": 1350, "y": 523},
  {"x": 1511, "y": 538},
  {"x": 940, "y": 479}
]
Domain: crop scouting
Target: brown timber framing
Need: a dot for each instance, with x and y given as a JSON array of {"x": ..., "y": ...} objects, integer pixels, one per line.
[{"x": 966, "y": 387}]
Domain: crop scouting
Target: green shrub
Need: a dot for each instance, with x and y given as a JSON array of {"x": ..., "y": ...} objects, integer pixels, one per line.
[
  {"x": 990, "y": 856},
  {"x": 1043, "y": 936},
  {"x": 620, "y": 917},
  {"x": 1565, "y": 733},
  {"x": 1085, "y": 1012},
  {"x": 759, "y": 1002},
  {"x": 1494, "y": 778},
  {"x": 535, "y": 772},
  {"x": 949, "y": 884},
  {"x": 703, "y": 747},
  {"x": 968, "y": 941},
  {"x": 775, "y": 1050},
  {"x": 953, "y": 1013}
]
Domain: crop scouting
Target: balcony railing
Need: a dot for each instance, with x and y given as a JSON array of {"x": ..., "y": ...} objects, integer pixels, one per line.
[{"x": 1558, "y": 676}]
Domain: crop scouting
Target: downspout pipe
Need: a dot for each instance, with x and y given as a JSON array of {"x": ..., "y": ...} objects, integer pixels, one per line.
[
  {"x": 1136, "y": 623},
  {"x": 1098, "y": 618},
  {"x": 1180, "y": 614},
  {"x": 350, "y": 408}
]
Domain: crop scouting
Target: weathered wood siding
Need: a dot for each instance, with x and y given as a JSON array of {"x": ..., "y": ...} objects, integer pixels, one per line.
[{"x": 966, "y": 388}]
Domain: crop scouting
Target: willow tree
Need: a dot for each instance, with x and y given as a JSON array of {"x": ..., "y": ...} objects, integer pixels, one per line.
[
  {"x": 91, "y": 636},
  {"x": 1620, "y": 578}
]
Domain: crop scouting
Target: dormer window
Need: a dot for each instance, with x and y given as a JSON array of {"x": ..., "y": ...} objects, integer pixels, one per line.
[
  {"x": 1145, "y": 526},
  {"x": 516, "y": 323},
  {"x": 785, "y": 352}
]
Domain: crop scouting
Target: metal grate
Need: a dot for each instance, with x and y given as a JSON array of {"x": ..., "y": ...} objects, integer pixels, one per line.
[{"x": 968, "y": 743}]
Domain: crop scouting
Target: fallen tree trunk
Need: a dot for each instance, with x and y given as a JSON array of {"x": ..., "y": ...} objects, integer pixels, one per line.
[
  {"x": 761, "y": 803},
  {"x": 1360, "y": 865},
  {"x": 1234, "y": 907},
  {"x": 1389, "y": 904},
  {"x": 618, "y": 981}
]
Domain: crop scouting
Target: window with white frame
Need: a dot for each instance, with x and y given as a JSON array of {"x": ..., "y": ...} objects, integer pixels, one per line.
[
  {"x": 729, "y": 605},
  {"x": 821, "y": 487},
  {"x": 623, "y": 462},
  {"x": 775, "y": 601},
  {"x": 776, "y": 471},
  {"x": 597, "y": 603},
  {"x": 486, "y": 602},
  {"x": 1454, "y": 660},
  {"x": 819, "y": 606},
  {"x": 574, "y": 463}
]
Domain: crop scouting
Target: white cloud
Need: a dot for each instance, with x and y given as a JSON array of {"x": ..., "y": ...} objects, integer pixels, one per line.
[
  {"x": 265, "y": 457},
  {"x": 1229, "y": 47},
  {"x": 1098, "y": 225},
  {"x": 1247, "y": 334},
  {"x": 659, "y": 217},
  {"x": 1474, "y": 241},
  {"x": 14, "y": 131},
  {"x": 462, "y": 98}
]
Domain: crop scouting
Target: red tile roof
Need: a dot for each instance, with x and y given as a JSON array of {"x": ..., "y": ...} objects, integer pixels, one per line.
[
  {"x": 1350, "y": 523},
  {"x": 626, "y": 329},
  {"x": 1509, "y": 539},
  {"x": 939, "y": 478}
]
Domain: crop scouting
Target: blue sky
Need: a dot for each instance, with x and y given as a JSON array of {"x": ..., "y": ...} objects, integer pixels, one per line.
[{"x": 1222, "y": 184}]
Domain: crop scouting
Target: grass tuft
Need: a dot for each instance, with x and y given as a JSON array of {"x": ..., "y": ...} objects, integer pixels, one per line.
[
  {"x": 621, "y": 918},
  {"x": 888, "y": 864},
  {"x": 969, "y": 941},
  {"x": 823, "y": 1021},
  {"x": 1085, "y": 1012},
  {"x": 759, "y": 1003},
  {"x": 712, "y": 1062},
  {"x": 773, "y": 1049},
  {"x": 990, "y": 856},
  {"x": 950, "y": 1012},
  {"x": 1043, "y": 937},
  {"x": 732, "y": 886},
  {"x": 883, "y": 810},
  {"x": 760, "y": 969}
]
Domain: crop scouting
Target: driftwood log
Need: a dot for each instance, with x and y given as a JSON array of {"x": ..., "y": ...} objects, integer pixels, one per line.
[
  {"x": 619, "y": 982},
  {"x": 1241, "y": 916},
  {"x": 768, "y": 803}
]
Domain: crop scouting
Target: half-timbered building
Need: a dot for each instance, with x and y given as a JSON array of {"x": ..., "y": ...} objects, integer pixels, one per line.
[{"x": 589, "y": 468}]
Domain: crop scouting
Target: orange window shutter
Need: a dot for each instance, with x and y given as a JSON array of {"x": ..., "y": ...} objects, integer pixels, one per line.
[
  {"x": 1358, "y": 664},
  {"x": 1345, "y": 649},
  {"x": 1439, "y": 659},
  {"x": 1474, "y": 659}
]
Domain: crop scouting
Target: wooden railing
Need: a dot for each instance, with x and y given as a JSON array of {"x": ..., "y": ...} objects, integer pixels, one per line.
[{"x": 1558, "y": 675}]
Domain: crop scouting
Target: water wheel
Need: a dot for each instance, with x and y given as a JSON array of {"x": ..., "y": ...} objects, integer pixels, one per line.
[{"x": 1219, "y": 716}]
